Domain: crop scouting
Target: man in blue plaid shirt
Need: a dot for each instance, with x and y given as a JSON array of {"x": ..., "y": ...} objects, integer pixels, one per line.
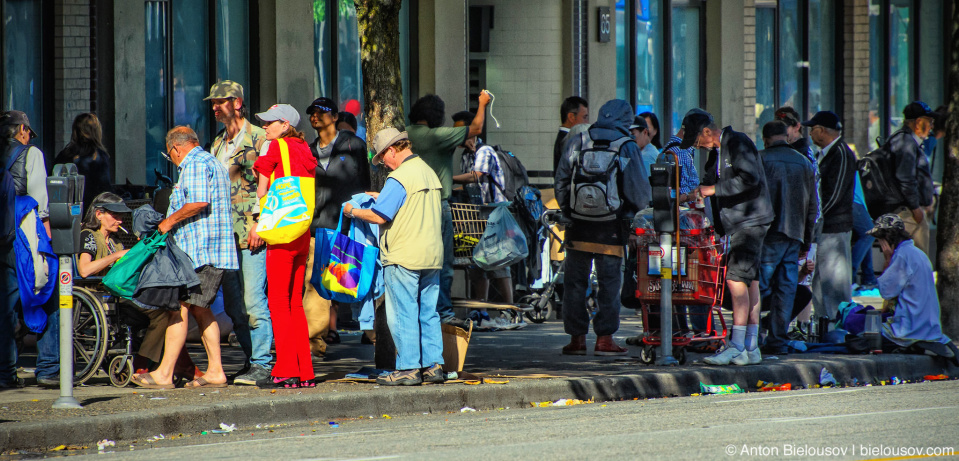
[
  {"x": 489, "y": 174},
  {"x": 200, "y": 218}
]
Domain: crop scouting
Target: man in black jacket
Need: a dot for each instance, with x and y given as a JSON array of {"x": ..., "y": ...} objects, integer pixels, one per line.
[
  {"x": 342, "y": 170},
  {"x": 792, "y": 191},
  {"x": 832, "y": 281},
  {"x": 734, "y": 177},
  {"x": 913, "y": 175},
  {"x": 574, "y": 111}
]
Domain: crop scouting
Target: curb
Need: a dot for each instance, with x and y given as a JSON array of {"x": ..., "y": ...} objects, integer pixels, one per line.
[{"x": 437, "y": 399}]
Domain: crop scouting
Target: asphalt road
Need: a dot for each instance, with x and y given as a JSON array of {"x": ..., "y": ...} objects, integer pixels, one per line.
[{"x": 846, "y": 423}]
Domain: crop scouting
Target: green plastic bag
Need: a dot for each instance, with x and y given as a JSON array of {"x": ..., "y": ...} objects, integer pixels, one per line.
[
  {"x": 720, "y": 389},
  {"x": 124, "y": 276}
]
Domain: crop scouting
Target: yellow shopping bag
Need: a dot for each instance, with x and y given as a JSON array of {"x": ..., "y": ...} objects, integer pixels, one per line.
[{"x": 287, "y": 209}]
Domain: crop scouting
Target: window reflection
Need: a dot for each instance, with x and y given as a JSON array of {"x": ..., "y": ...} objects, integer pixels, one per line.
[
  {"x": 22, "y": 66},
  {"x": 685, "y": 59},
  {"x": 649, "y": 57}
]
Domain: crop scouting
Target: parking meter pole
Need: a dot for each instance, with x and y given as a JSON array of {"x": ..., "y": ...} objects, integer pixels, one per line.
[
  {"x": 66, "y": 400},
  {"x": 665, "y": 356}
]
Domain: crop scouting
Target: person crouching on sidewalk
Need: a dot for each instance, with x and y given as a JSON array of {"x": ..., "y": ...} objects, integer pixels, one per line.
[
  {"x": 408, "y": 212},
  {"x": 286, "y": 262}
]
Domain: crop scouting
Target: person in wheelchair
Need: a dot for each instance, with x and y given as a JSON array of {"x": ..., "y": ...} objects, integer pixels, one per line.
[{"x": 98, "y": 252}]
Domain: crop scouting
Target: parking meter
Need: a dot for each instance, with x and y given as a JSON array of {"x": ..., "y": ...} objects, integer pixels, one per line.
[
  {"x": 663, "y": 179},
  {"x": 65, "y": 194}
]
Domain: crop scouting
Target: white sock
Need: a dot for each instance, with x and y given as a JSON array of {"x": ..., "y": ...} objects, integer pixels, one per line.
[
  {"x": 739, "y": 337},
  {"x": 752, "y": 337}
]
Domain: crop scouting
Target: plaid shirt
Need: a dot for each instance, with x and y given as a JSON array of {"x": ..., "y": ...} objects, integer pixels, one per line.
[
  {"x": 208, "y": 236},
  {"x": 487, "y": 162},
  {"x": 689, "y": 178}
]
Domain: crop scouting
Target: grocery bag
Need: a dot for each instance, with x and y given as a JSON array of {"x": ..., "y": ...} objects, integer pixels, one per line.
[
  {"x": 124, "y": 276},
  {"x": 343, "y": 268},
  {"x": 287, "y": 209},
  {"x": 502, "y": 244}
]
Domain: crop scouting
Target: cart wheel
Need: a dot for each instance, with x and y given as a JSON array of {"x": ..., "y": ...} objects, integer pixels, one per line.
[
  {"x": 647, "y": 355},
  {"x": 679, "y": 353},
  {"x": 121, "y": 370},
  {"x": 542, "y": 308}
]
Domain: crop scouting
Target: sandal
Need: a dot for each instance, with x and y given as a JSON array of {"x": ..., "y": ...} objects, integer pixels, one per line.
[
  {"x": 146, "y": 381},
  {"x": 202, "y": 382}
]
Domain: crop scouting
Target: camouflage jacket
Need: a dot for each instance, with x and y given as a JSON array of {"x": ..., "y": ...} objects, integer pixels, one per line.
[{"x": 243, "y": 180}]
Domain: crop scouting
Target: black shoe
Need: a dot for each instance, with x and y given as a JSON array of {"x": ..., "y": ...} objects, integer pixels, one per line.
[
  {"x": 433, "y": 374},
  {"x": 243, "y": 371},
  {"x": 256, "y": 374},
  {"x": 49, "y": 383},
  {"x": 15, "y": 383},
  {"x": 277, "y": 383},
  {"x": 365, "y": 339},
  {"x": 401, "y": 378}
]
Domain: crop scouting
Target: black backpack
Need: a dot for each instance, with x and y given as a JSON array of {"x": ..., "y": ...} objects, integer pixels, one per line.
[
  {"x": 877, "y": 173},
  {"x": 514, "y": 173},
  {"x": 8, "y": 194}
]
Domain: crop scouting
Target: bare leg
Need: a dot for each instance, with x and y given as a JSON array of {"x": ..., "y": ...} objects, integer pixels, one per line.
[
  {"x": 175, "y": 340},
  {"x": 210, "y": 334},
  {"x": 741, "y": 305},
  {"x": 333, "y": 308},
  {"x": 503, "y": 284},
  {"x": 754, "y": 303}
]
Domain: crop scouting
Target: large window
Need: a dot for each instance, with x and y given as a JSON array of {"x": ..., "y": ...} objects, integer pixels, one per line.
[
  {"x": 338, "y": 68},
  {"x": 179, "y": 67},
  {"x": 649, "y": 57},
  {"x": 901, "y": 41},
  {"x": 622, "y": 50},
  {"x": 21, "y": 65},
  {"x": 797, "y": 57},
  {"x": 685, "y": 57}
]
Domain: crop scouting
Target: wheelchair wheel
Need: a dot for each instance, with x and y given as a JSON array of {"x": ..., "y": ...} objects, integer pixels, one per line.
[
  {"x": 89, "y": 334},
  {"x": 121, "y": 370}
]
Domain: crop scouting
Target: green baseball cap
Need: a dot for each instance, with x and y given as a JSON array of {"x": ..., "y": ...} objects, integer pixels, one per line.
[{"x": 225, "y": 89}]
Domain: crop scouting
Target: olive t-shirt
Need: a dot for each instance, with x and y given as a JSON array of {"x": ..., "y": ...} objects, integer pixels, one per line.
[{"x": 436, "y": 147}]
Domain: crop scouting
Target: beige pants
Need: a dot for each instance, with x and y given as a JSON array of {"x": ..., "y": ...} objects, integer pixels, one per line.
[
  {"x": 316, "y": 308},
  {"x": 155, "y": 336},
  {"x": 918, "y": 231}
]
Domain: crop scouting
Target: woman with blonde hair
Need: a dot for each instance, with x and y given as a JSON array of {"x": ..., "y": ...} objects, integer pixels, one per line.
[
  {"x": 286, "y": 262},
  {"x": 87, "y": 152}
]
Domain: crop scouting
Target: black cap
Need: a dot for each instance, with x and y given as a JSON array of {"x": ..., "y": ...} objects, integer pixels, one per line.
[
  {"x": 918, "y": 109},
  {"x": 693, "y": 124},
  {"x": 639, "y": 123},
  {"x": 16, "y": 117},
  {"x": 825, "y": 119},
  {"x": 117, "y": 207},
  {"x": 322, "y": 104}
]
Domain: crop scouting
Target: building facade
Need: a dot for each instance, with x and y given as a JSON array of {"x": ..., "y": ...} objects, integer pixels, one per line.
[{"x": 145, "y": 66}]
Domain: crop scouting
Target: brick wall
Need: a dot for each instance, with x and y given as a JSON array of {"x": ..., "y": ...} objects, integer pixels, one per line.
[
  {"x": 856, "y": 74},
  {"x": 749, "y": 68},
  {"x": 71, "y": 65},
  {"x": 524, "y": 71}
]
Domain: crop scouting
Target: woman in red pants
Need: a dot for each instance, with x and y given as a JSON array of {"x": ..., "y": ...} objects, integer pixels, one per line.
[{"x": 286, "y": 263}]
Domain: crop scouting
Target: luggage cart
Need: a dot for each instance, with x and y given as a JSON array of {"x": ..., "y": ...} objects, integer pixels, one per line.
[{"x": 698, "y": 280}]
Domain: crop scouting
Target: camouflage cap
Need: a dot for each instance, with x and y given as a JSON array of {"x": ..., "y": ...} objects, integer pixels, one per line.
[
  {"x": 888, "y": 221},
  {"x": 225, "y": 89}
]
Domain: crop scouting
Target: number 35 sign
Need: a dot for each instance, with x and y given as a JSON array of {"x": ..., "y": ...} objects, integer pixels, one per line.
[{"x": 604, "y": 24}]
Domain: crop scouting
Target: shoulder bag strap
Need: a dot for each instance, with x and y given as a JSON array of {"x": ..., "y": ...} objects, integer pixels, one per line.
[{"x": 284, "y": 156}]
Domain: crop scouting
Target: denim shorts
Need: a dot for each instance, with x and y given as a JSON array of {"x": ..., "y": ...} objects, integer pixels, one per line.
[{"x": 745, "y": 251}]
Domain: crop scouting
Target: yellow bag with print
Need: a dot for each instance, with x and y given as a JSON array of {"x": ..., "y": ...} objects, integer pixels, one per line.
[{"x": 286, "y": 211}]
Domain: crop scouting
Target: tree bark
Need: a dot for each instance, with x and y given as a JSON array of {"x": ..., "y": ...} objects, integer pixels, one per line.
[
  {"x": 947, "y": 235},
  {"x": 379, "y": 26}
]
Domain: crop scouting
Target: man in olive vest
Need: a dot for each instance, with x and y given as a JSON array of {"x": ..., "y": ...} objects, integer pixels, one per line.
[{"x": 408, "y": 211}]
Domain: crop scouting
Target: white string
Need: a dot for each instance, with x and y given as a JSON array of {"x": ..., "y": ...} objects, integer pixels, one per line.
[{"x": 491, "y": 100}]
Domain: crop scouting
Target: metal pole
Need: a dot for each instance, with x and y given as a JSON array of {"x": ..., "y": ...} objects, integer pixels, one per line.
[
  {"x": 666, "y": 301},
  {"x": 66, "y": 400}
]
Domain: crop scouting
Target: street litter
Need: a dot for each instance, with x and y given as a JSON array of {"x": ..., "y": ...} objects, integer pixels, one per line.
[
  {"x": 228, "y": 427},
  {"x": 387, "y": 417},
  {"x": 333, "y": 424},
  {"x": 472, "y": 382},
  {"x": 768, "y": 386},
  {"x": 61, "y": 447},
  {"x": 826, "y": 378},
  {"x": 720, "y": 389},
  {"x": 896, "y": 381},
  {"x": 157, "y": 437},
  {"x": 467, "y": 410},
  {"x": 939, "y": 377},
  {"x": 105, "y": 443},
  {"x": 561, "y": 403},
  {"x": 495, "y": 381},
  {"x": 157, "y": 398}
]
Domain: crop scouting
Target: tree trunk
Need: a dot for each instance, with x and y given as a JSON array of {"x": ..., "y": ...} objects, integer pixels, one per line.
[
  {"x": 947, "y": 235},
  {"x": 379, "y": 26}
]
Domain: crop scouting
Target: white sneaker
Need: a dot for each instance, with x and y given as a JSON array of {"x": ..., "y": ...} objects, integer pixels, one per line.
[
  {"x": 755, "y": 356},
  {"x": 728, "y": 355}
]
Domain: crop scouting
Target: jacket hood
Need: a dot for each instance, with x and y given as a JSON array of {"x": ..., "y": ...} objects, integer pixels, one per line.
[{"x": 615, "y": 115}]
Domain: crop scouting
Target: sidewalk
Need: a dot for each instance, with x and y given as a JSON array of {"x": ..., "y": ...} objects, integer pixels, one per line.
[{"x": 529, "y": 357}]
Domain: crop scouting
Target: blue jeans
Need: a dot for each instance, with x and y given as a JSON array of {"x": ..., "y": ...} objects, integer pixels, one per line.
[
  {"x": 575, "y": 283},
  {"x": 778, "y": 278},
  {"x": 444, "y": 304},
  {"x": 862, "y": 245},
  {"x": 48, "y": 342},
  {"x": 244, "y": 300},
  {"x": 412, "y": 317}
]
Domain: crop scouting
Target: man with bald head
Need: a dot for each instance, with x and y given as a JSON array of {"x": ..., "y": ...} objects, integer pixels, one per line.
[{"x": 200, "y": 218}]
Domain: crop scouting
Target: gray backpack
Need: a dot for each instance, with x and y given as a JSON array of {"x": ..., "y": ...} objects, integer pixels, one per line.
[{"x": 597, "y": 173}]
